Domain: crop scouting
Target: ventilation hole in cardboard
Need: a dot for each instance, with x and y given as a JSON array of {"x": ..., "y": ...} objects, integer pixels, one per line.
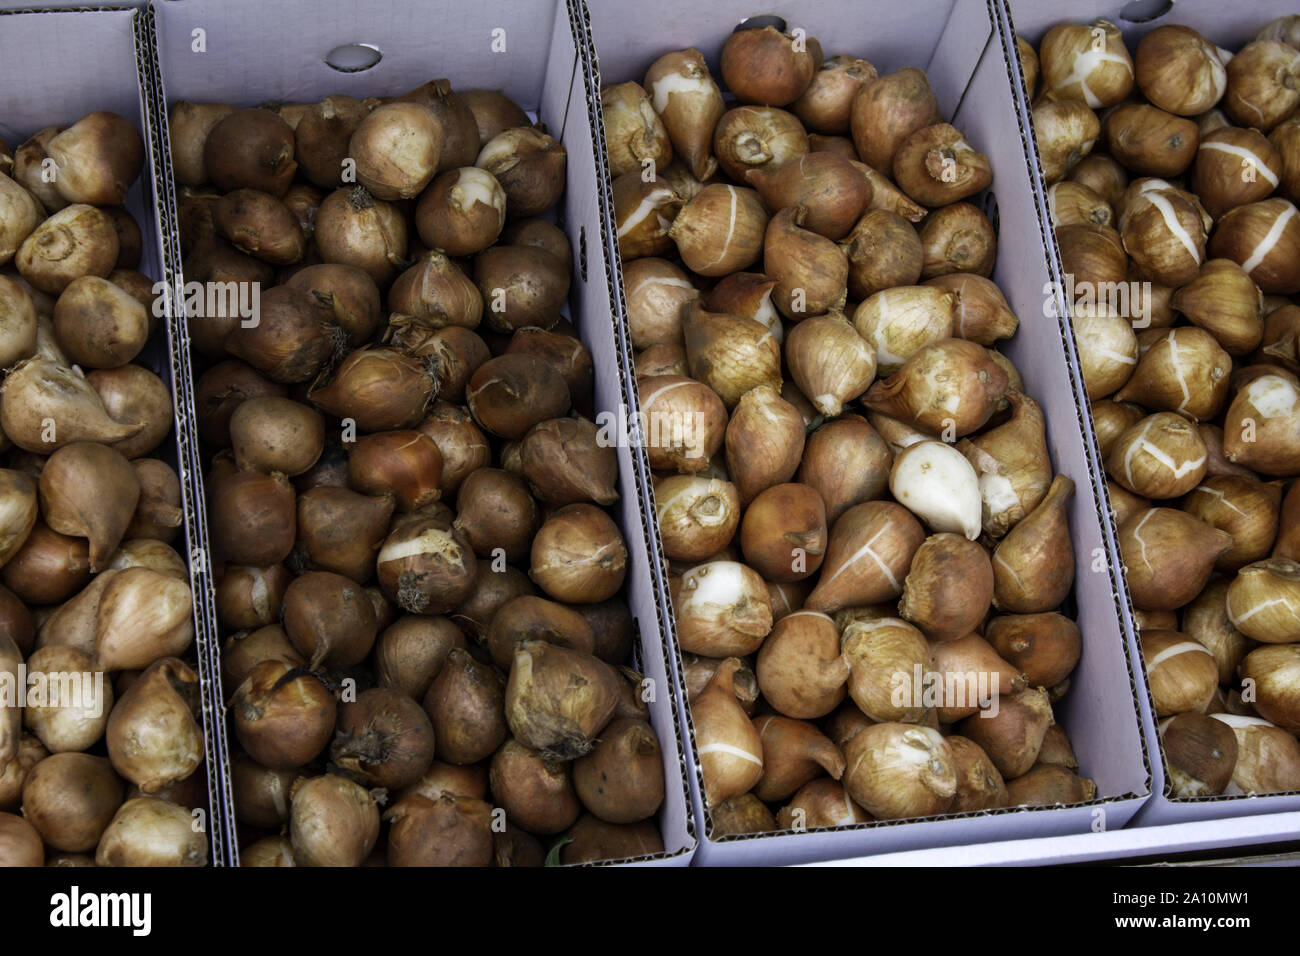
[
  {"x": 764, "y": 20},
  {"x": 582, "y": 252},
  {"x": 991, "y": 209},
  {"x": 1144, "y": 11},
  {"x": 353, "y": 57}
]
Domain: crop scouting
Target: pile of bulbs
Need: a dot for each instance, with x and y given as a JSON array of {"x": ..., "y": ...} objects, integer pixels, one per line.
[
  {"x": 101, "y": 745},
  {"x": 779, "y": 254},
  {"x": 1176, "y": 169},
  {"x": 418, "y": 583}
]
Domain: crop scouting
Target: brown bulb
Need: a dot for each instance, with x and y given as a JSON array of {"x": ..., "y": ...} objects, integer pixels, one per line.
[
  {"x": 1168, "y": 556},
  {"x": 729, "y": 746},
  {"x": 767, "y": 66},
  {"x": 888, "y": 110}
]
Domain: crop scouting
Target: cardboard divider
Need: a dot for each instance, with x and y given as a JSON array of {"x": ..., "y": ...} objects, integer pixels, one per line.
[
  {"x": 961, "y": 49},
  {"x": 113, "y": 47},
  {"x": 1228, "y": 27},
  {"x": 536, "y": 53}
]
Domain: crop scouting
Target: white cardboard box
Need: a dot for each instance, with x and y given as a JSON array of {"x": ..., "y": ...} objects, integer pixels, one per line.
[
  {"x": 252, "y": 52},
  {"x": 113, "y": 71},
  {"x": 1229, "y": 27},
  {"x": 960, "y": 49}
]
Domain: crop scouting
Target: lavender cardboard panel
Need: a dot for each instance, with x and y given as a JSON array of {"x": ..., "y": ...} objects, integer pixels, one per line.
[
  {"x": 111, "y": 46},
  {"x": 963, "y": 56},
  {"x": 252, "y": 52},
  {"x": 1229, "y": 27}
]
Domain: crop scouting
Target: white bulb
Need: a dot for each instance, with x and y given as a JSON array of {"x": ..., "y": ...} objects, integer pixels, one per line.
[{"x": 936, "y": 483}]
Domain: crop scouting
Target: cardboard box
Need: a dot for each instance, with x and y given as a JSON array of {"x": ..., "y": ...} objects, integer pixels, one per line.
[
  {"x": 246, "y": 52},
  {"x": 1228, "y": 27},
  {"x": 959, "y": 46},
  {"x": 113, "y": 60}
]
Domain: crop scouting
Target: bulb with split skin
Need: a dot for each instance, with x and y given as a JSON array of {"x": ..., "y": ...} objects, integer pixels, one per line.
[
  {"x": 729, "y": 746},
  {"x": 687, "y": 99},
  {"x": 867, "y": 555}
]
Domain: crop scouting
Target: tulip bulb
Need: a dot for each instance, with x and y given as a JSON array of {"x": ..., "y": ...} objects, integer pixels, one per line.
[
  {"x": 633, "y": 130},
  {"x": 1066, "y": 131},
  {"x": 1268, "y": 757},
  {"x": 1168, "y": 557},
  {"x": 764, "y": 65},
  {"x": 1086, "y": 62},
  {"x": 1172, "y": 358},
  {"x": 1013, "y": 737},
  {"x": 1246, "y": 509},
  {"x": 1262, "y": 84},
  {"x": 89, "y": 490},
  {"x": 833, "y": 192},
  {"x": 1108, "y": 349},
  {"x": 688, "y": 422},
  {"x": 1164, "y": 230},
  {"x": 847, "y": 462},
  {"x": 721, "y": 609},
  {"x": 1044, "y": 648},
  {"x": 730, "y": 354},
  {"x": 1264, "y": 601},
  {"x": 800, "y": 669},
  {"x": 1162, "y": 456},
  {"x": 810, "y": 270},
  {"x": 883, "y": 657},
  {"x": 720, "y": 230},
  {"x": 1149, "y": 141},
  {"x": 821, "y": 803},
  {"x": 830, "y": 362},
  {"x": 1033, "y": 566},
  {"x": 1200, "y": 753},
  {"x": 900, "y": 322},
  {"x": 957, "y": 238},
  {"x": 154, "y": 739},
  {"x": 935, "y": 482},
  {"x": 729, "y": 747},
  {"x": 867, "y": 556},
  {"x": 142, "y": 615},
  {"x": 764, "y": 442},
  {"x": 655, "y": 291},
  {"x": 698, "y": 516},
  {"x": 743, "y": 814},
  {"x": 1275, "y": 674},
  {"x": 757, "y": 137},
  {"x": 972, "y": 675},
  {"x": 1013, "y": 465},
  {"x": 951, "y": 388},
  {"x": 884, "y": 251},
  {"x": 794, "y": 753},
  {"x": 900, "y": 770},
  {"x": 1261, "y": 425},
  {"x": 643, "y": 214},
  {"x": 1070, "y": 202},
  {"x": 827, "y": 104},
  {"x": 690, "y": 105},
  {"x": 888, "y": 110},
  {"x": 1181, "y": 673},
  {"x": 979, "y": 785},
  {"x": 949, "y": 587},
  {"x": 936, "y": 166}
]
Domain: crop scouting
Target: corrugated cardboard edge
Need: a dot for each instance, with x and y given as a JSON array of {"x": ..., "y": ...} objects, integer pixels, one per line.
[
  {"x": 216, "y": 741},
  {"x": 152, "y": 178},
  {"x": 1163, "y": 807},
  {"x": 1100, "y": 495},
  {"x": 580, "y": 22}
]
